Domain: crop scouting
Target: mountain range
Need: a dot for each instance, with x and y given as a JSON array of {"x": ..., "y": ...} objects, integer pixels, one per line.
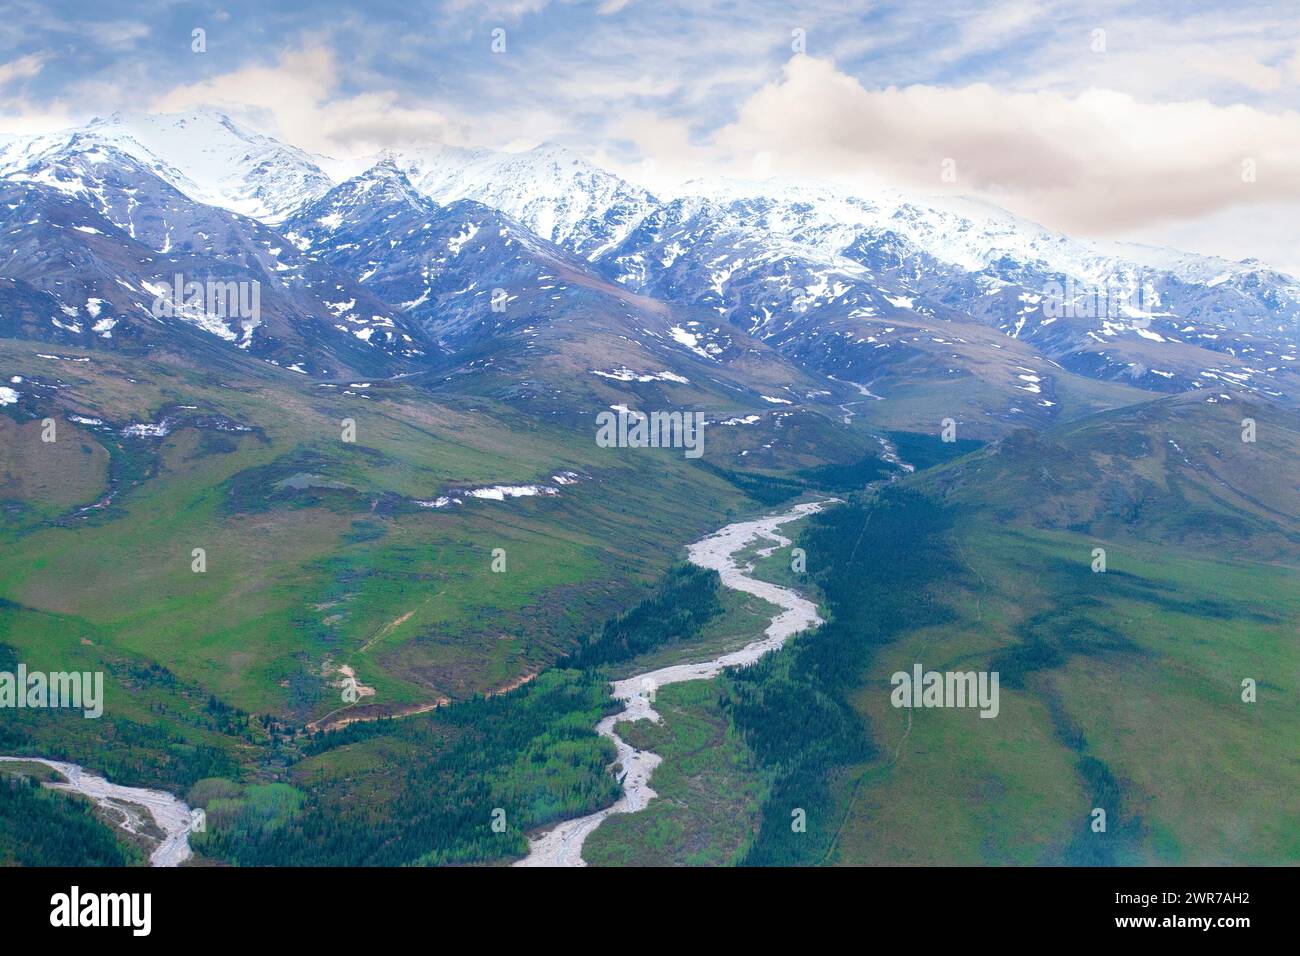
[{"x": 836, "y": 296}]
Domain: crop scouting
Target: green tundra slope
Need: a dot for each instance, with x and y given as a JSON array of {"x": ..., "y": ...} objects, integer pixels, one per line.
[
  {"x": 320, "y": 554},
  {"x": 1120, "y": 690}
]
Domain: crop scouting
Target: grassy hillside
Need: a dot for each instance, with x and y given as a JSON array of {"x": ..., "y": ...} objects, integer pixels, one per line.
[
  {"x": 1174, "y": 471},
  {"x": 317, "y": 551},
  {"x": 1119, "y": 690},
  {"x": 318, "y": 555}
]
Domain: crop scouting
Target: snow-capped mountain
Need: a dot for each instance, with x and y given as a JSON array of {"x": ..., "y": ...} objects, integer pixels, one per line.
[
  {"x": 551, "y": 190},
  {"x": 440, "y": 264},
  {"x": 205, "y": 155},
  {"x": 504, "y": 300},
  {"x": 875, "y": 290},
  {"x": 790, "y": 262},
  {"x": 103, "y": 253},
  {"x": 837, "y": 279}
]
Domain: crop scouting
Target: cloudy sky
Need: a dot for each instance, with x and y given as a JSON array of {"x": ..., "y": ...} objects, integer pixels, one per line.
[{"x": 1175, "y": 123}]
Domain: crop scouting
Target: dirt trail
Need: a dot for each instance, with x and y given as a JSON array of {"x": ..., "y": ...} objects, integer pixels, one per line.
[{"x": 364, "y": 713}]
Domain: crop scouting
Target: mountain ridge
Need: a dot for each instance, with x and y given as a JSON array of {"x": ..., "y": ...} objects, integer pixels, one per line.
[{"x": 885, "y": 289}]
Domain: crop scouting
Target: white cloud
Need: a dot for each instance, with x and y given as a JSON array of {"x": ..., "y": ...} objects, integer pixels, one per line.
[
  {"x": 23, "y": 68},
  {"x": 121, "y": 35},
  {"x": 1267, "y": 233},
  {"x": 297, "y": 94},
  {"x": 1095, "y": 162},
  {"x": 496, "y": 10},
  {"x": 18, "y": 115}
]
